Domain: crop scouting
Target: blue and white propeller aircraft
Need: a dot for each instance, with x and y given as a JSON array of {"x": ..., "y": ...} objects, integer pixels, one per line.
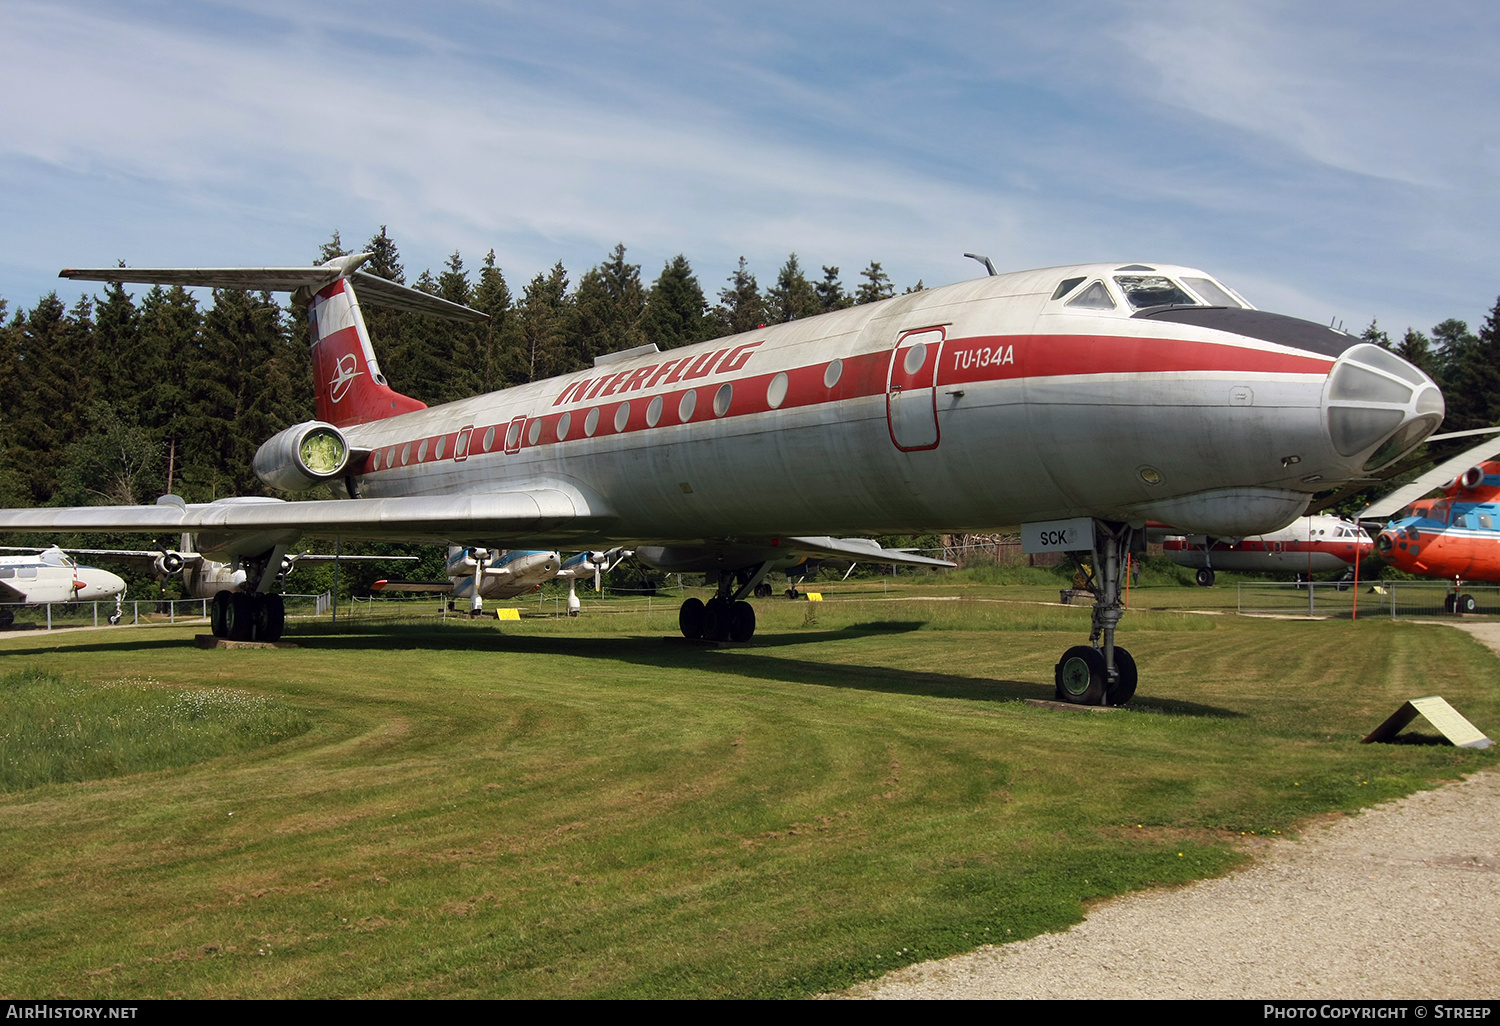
[{"x": 1078, "y": 402}]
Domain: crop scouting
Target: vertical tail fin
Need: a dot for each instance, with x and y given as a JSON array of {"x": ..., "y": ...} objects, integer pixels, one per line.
[{"x": 351, "y": 389}]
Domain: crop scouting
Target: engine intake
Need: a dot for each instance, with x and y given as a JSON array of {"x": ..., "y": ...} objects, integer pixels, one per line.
[{"x": 302, "y": 456}]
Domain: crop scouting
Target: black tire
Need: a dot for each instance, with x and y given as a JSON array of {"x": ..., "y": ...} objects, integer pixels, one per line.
[
  {"x": 113, "y": 618},
  {"x": 1450, "y": 602},
  {"x": 218, "y": 616},
  {"x": 1466, "y": 604},
  {"x": 1080, "y": 676},
  {"x": 690, "y": 618},
  {"x": 7, "y": 617},
  {"x": 1205, "y": 578},
  {"x": 741, "y": 622},
  {"x": 716, "y": 619},
  {"x": 1124, "y": 686},
  {"x": 273, "y": 621},
  {"x": 241, "y": 619}
]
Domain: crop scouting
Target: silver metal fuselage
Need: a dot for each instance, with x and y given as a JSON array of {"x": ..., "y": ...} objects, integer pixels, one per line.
[{"x": 1020, "y": 408}]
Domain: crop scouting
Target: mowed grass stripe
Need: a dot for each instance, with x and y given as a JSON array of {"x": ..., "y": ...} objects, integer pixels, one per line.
[{"x": 584, "y": 807}]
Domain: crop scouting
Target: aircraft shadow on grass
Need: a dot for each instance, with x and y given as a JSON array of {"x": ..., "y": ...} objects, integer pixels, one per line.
[{"x": 676, "y": 653}]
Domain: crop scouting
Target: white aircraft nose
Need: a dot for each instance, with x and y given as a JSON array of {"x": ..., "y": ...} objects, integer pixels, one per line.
[
  {"x": 97, "y": 584},
  {"x": 1378, "y": 406}
]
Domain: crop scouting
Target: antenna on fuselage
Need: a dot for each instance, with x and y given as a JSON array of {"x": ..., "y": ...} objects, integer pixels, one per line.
[{"x": 989, "y": 265}]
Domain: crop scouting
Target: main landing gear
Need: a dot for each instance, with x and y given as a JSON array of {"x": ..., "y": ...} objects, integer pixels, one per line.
[
  {"x": 1101, "y": 674},
  {"x": 240, "y": 616},
  {"x": 252, "y": 614},
  {"x": 726, "y": 616}
]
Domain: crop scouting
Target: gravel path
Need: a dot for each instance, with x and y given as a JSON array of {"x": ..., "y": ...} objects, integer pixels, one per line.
[{"x": 1400, "y": 901}]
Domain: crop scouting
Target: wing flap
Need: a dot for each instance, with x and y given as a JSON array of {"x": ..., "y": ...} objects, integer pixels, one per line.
[{"x": 860, "y": 550}]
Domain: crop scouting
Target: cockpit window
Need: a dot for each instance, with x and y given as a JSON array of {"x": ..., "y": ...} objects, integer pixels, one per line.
[
  {"x": 1209, "y": 289},
  {"x": 1095, "y": 297},
  {"x": 1143, "y": 290},
  {"x": 1067, "y": 285}
]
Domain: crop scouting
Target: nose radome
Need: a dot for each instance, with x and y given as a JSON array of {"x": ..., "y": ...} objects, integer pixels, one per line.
[{"x": 1379, "y": 406}]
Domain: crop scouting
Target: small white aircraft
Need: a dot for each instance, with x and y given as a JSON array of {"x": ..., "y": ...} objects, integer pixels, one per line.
[
  {"x": 51, "y": 575},
  {"x": 1078, "y": 402},
  {"x": 1308, "y": 545}
]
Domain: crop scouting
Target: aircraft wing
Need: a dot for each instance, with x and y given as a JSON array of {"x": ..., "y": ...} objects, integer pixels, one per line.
[
  {"x": 412, "y": 586},
  {"x": 540, "y": 513},
  {"x": 1437, "y": 477},
  {"x": 372, "y": 288},
  {"x": 860, "y": 550}
]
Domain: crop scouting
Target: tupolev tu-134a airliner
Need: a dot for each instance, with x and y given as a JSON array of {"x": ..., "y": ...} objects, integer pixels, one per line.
[{"x": 1078, "y": 402}]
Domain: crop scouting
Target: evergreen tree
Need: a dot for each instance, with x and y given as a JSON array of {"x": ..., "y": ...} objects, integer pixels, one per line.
[
  {"x": 1474, "y": 394},
  {"x": 918, "y": 287},
  {"x": 541, "y": 349},
  {"x": 831, "y": 291},
  {"x": 877, "y": 285},
  {"x": 607, "y": 309},
  {"x": 1454, "y": 344},
  {"x": 1416, "y": 349},
  {"x": 792, "y": 296},
  {"x": 492, "y": 297},
  {"x": 332, "y": 249},
  {"x": 167, "y": 345},
  {"x": 392, "y": 332},
  {"x": 740, "y": 305},
  {"x": 117, "y": 341},
  {"x": 385, "y": 260},
  {"x": 1375, "y": 335},
  {"x": 44, "y": 408},
  {"x": 676, "y": 311}
]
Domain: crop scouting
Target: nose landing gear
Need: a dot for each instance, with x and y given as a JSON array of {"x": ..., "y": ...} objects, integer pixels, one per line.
[{"x": 1101, "y": 673}]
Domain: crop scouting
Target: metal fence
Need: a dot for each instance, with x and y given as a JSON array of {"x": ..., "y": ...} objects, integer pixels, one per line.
[
  {"x": 1393, "y": 599},
  {"x": 58, "y": 615}
]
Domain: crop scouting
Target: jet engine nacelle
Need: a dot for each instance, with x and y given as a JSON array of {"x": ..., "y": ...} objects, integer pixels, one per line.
[{"x": 302, "y": 456}]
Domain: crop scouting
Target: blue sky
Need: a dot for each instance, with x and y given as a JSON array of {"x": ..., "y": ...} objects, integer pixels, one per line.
[{"x": 1327, "y": 160}]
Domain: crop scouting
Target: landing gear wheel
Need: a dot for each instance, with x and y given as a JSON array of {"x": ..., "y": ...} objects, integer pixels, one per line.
[
  {"x": 1123, "y": 689},
  {"x": 716, "y": 620},
  {"x": 218, "y": 617},
  {"x": 1080, "y": 676},
  {"x": 1466, "y": 604},
  {"x": 690, "y": 618},
  {"x": 741, "y": 621},
  {"x": 113, "y": 618},
  {"x": 793, "y": 593},
  {"x": 270, "y": 617},
  {"x": 241, "y": 618},
  {"x": 764, "y": 590},
  {"x": 1205, "y": 578}
]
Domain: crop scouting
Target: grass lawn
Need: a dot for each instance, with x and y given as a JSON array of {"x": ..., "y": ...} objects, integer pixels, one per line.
[{"x": 588, "y": 807}]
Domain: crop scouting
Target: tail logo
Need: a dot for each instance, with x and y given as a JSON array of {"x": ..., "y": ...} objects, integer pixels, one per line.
[{"x": 343, "y": 377}]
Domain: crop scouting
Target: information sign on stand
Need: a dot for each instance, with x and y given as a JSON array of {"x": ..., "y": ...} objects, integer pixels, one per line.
[{"x": 1449, "y": 722}]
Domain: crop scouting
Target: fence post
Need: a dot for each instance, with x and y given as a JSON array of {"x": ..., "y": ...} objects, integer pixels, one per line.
[
  {"x": 172, "y": 611},
  {"x": 1310, "y": 606},
  {"x": 96, "y": 614},
  {"x": 49, "y": 616},
  {"x": 135, "y": 612}
]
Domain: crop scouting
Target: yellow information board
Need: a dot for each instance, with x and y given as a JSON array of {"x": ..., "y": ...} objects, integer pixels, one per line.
[{"x": 508, "y": 614}]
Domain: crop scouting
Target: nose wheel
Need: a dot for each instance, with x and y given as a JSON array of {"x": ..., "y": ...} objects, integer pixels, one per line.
[{"x": 1101, "y": 673}]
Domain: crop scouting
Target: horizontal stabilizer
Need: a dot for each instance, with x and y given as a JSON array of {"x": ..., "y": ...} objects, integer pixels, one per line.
[
  {"x": 415, "y": 586},
  {"x": 860, "y": 550},
  {"x": 1437, "y": 477},
  {"x": 373, "y": 289}
]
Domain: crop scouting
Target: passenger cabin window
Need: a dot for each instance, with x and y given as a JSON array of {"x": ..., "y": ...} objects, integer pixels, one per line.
[
  {"x": 1067, "y": 285},
  {"x": 1145, "y": 290},
  {"x": 1486, "y": 522},
  {"x": 1210, "y": 292},
  {"x": 1095, "y": 297}
]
